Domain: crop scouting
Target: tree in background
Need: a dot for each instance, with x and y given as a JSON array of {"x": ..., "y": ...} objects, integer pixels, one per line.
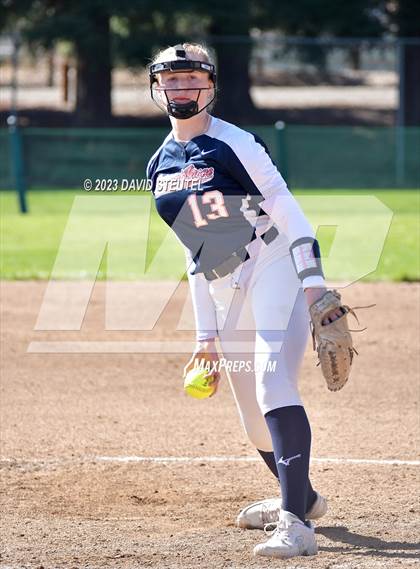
[
  {"x": 233, "y": 56},
  {"x": 173, "y": 22},
  {"x": 307, "y": 18},
  {"x": 303, "y": 18},
  {"x": 323, "y": 18},
  {"x": 93, "y": 28},
  {"x": 86, "y": 26},
  {"x": 103, "y": 32}
]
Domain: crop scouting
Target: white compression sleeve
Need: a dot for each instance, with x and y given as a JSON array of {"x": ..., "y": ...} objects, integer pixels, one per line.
[
  {"x": 203, "y": 305},
  {"x": 287, "y": 214}
]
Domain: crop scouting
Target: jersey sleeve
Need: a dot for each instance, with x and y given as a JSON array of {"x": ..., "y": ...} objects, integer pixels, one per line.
[
  {"x": 150, "y": 170},
  {"x": 203, "y": 305},
  {"x": 251, "y": 165},
  {"x": 153, "y": 162}
]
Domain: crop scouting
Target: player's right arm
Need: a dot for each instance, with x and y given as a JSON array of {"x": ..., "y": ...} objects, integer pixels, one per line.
[
  {"x": 206, "y": 323},
  {"x": 203, "y": 306}
]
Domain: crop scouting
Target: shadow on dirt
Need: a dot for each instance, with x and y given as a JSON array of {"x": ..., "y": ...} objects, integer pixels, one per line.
[{"x": 369, "y": 546}]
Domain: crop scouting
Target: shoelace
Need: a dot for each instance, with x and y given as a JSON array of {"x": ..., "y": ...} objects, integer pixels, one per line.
[
  {"x": 279, "y": 530},
  {"x": 269, "y": 515},
  {"x": 274, "y": 527},
  {"x": 279, "y": 527}
]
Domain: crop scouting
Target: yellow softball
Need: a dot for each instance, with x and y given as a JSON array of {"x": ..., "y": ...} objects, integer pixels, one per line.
[{"x": 196, "y": 383}]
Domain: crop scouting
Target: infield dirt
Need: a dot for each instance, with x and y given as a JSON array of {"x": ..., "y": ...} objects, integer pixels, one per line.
[{"x": 63, "y": 506}]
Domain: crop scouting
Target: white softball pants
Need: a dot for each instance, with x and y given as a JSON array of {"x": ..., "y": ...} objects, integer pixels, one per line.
[{"x": 263, "y": 320}]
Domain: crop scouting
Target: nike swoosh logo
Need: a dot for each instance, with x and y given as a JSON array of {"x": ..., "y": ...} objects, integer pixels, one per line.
[{"x": 203, "y": 153}]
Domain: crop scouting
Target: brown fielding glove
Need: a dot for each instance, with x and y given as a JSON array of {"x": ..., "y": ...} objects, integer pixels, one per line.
[{"x": 332, "y": 341}]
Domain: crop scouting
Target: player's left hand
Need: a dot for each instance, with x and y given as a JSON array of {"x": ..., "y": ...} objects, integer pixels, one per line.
[
  {"x": 331, "y": 335},
  {"x": 314, "y": 294}
]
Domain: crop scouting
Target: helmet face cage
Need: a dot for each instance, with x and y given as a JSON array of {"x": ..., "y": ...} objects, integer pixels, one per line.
[{"x": 173, "y": 108}]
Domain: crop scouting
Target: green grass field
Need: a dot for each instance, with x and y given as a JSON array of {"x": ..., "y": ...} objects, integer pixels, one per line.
[{"x": 64, "y": 238}]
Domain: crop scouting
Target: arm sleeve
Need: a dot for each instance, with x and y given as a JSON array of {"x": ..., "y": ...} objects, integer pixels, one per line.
[
  {"x": 253, "y": 168},
  {"x": 203, "y": 305}
]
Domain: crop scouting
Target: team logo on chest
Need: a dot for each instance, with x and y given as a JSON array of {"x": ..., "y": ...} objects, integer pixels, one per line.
[{"x": 189, "y": 177}]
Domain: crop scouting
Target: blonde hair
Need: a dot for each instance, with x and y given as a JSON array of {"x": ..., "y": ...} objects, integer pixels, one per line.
[{"x": 193, "y": 51}]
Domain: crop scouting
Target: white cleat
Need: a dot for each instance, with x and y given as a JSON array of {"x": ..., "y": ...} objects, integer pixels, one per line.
[
  {"x": 319, "y": 508},
  {"x": 258, "y": 514},
  {"x": 290, "y": 538}
]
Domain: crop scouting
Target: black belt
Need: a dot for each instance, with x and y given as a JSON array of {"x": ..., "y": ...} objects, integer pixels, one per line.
[{"x": 238, "y": 257}]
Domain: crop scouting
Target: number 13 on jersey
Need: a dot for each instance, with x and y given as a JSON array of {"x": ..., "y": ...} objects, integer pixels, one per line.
[{"x": 217, "y": 205}]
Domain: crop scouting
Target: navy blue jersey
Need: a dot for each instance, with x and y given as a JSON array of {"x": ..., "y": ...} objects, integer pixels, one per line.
[{"x": 210, "y": 190}]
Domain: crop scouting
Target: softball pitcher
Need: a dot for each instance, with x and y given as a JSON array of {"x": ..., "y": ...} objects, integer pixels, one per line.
[{"x": 253, "y": 267}]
